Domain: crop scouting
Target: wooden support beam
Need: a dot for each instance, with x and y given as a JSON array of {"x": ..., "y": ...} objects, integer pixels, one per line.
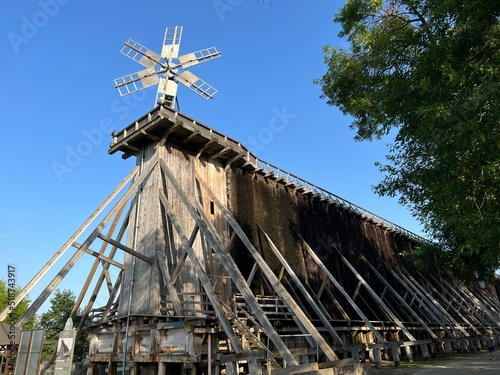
[
  {"x": 229, "y": 264},
  {"x": 474, "y": 304},
  {"x": 221, "y": 152},
  {"x": 299, "y": 369},
  {"x": 125, "y": 248},
  {"x": 451, "y": 321},
  {"x": 321, "y": 315},
  {"x": 241, "y": 356},
  {"x": 67, "y": 267},
  {"x": 105, "y": 276},
  {"x": 24, "y": 292},
  {"x": 373, "y": 294},
  {"x": 202, "y": 276},
  {"x": 204, "y": 147},
  {"x": 150, "y": 136},
  {"x": 112, "y": 296},
  {"x": 356, "y": 291},
  {"x": 191, "y": 136},
  {"x": 270, "y": 276},
  {"x": 341, "y": 290},
  {"x": 183, "y": 256},
  {"x": 420, "y": 294},
  {"x": 93, "y": 270},
  {"x": 176, "y": 302},
  {"x": 100, "y": 257},
  {"x": 399, "y": 298}
]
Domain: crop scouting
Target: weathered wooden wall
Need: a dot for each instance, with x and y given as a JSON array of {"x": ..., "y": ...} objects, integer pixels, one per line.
[
  {"x": 151, "y": 233},
  {"x": 286, "y": 213}
]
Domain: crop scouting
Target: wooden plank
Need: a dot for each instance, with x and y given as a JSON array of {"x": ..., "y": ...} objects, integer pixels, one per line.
[
  {"x": 308, "y": 367},
  {"x": 241, "y": 356},
  {"x": 24, "y": 292},
  {"x": 270, "y": 276},
  {"x": 105, "y": 276},
  {"x": 230, "y": 266},
  {"x": 372, "y": 293},
  {"x": 176, "y": 302},
  {"x": 99, "y": 257},
  {"x": 125, "y": 248},
  {"x": 67, "y": 267},
  {"x": 321, "y": 315},
  {"x": 342, "y": 291},
  {"x": 202, "y": 276},
  {"x": 437, "y": 308},
  {"x": 399, "y": 298}
]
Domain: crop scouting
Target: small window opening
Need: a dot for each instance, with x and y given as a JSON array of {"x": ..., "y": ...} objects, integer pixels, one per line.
[{"x": 212, "y": 208}]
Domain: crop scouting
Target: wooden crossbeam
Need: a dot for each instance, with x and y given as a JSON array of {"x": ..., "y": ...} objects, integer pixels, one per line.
[
  {"x": 480, "y": 310},
  {"x": 99, "y": 256},
  {"x": 105, "y": 276},
  {"x": 320, "y": 313},
  {"x": 270, "y": 276},
  {"x": 125, "y": 248},
  {"x": 90, "y": 239},
  {"x": 174, "y": 297},
  {"x": 29, "y": 286},
  {"x": 373, "y": 294},
  {"x": 401, "y": 300},
  {"x": 342, "y": 291},
  {"x": 112, "y": 296},
  {"x": 229, "y": 265},
  {"x": 431, "y": 305},
  {"x": 202, "y": 276}
]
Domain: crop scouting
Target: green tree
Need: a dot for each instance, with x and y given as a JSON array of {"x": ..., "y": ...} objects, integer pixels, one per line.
[
  {"x": 54, "y": 319},
  {"x": 6, "y": 294},
  {"x": 428, "y": 71}
]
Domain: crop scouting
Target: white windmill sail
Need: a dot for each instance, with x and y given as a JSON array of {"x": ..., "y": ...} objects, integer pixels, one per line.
[{"x": 166, "y": 70}]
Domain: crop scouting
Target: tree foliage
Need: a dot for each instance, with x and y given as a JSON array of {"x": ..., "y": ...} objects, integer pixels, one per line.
[
  {"x": 54, "y": 319},
  {"x": 429, "y": 72},
  {"x": 19, "y": 310}
]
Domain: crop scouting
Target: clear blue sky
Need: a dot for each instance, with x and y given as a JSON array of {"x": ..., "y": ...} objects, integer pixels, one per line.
[{"x": 59, "y": 59}]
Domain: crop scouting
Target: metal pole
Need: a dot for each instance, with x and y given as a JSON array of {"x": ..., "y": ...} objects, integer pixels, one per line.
[{"x": 134, "y": 246}]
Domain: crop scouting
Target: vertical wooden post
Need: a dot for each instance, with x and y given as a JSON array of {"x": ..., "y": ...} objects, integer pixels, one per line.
[
  {"x": 254, "y": 367},
  {"x": 425, "y": 351},
  {"x": 376, "y": 356},
  {"x": 408, "y": 353},
  {"x": 395, "y": 355},
  {"x": 162, "y": 368}
]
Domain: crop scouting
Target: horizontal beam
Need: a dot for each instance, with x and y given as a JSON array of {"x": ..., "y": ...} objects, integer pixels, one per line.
[{"x": 125, "y": 248}]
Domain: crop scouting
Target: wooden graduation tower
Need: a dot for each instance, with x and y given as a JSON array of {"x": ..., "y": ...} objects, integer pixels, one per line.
[{"x": 232, "y": 265}]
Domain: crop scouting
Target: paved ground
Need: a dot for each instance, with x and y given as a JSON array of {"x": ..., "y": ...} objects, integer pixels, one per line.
[{"x": 458, "y": 364}]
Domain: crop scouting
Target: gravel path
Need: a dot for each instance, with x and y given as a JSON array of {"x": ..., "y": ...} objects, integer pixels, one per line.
[{"x": 465, "y": 364}]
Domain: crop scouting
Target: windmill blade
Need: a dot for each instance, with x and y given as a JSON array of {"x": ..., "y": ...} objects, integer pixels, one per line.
[
  {"x": 196, "y": 84},
  {"x": 136, "y": 81},
  {"x": 140, "y": 54},
  {"x": 198, "y": 57},
  {"x": 171, "y": 42}
]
